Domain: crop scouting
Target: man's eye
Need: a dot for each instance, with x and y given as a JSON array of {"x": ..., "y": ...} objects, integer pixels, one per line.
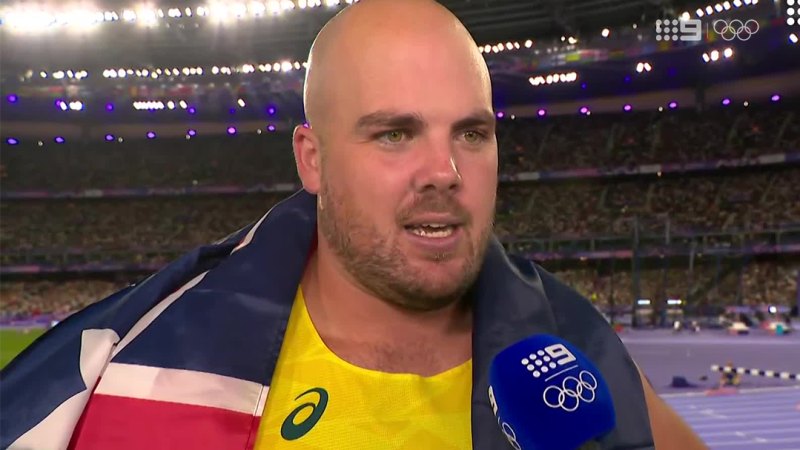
[
  {"x": 394, "y": 136},
  {"x": 472, "y": 137}
]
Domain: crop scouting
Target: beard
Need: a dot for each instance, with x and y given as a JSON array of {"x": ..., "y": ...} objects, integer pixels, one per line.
[{"x": 379, "y": 265}]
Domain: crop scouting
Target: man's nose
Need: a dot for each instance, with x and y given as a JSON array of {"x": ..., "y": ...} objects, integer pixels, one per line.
[{"x": 438, "y": 168}]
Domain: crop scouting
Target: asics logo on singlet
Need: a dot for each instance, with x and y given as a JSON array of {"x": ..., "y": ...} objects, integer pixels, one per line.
[{"x": 291, "y": 430}]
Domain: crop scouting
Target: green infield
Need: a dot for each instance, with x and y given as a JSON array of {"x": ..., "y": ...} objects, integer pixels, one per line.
[{"x": 12, "y": 342}]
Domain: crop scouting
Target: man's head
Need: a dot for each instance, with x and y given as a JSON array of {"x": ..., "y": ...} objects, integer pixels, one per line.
[{"x": 401, "y": 150}]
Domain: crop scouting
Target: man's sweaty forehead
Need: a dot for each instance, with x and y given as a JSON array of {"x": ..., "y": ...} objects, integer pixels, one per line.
[{"x": 381, "y": 25}]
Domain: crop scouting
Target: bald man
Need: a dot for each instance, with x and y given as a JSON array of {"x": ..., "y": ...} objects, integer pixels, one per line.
[
  {"x": 362, "y": 312},
  {"x": 402, "y": 156}
]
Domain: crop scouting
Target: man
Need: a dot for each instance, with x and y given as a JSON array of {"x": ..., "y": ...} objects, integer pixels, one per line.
[{"x": 359, "y": 314}]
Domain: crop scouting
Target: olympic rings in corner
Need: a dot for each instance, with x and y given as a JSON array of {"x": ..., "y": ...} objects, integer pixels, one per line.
[{"x": 736, "y": 29}]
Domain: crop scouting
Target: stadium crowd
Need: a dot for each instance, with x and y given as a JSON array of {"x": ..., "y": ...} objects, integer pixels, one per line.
[
  {"x": 549, "y": 143},
  {"x": 29, "y": 299},
  {"x": 153, "y": 230},
  {"x": 737, "y": 281},
  {"x": 733, "y": 201},
  {"x": 754, "y": 283}
]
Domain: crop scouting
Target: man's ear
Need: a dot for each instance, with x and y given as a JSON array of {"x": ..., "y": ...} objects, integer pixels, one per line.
[{"x": 307, "y": 157}]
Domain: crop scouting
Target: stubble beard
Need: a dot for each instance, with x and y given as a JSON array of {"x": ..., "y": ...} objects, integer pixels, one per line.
[{"x": 380, "y": 267}]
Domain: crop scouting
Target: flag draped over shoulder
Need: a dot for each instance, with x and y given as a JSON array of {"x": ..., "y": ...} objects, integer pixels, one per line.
[
  {"x": 185, "y": 355},
  {"x": 185, "y": 358}
]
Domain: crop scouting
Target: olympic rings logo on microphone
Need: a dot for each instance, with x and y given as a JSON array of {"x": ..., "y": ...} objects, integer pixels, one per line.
[
  {"x": 572, "y": 391},
  {"x": 735, "y": 29}
]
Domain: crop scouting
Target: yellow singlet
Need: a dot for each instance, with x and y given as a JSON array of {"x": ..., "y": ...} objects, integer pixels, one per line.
[{"x": 319, "y": 401}]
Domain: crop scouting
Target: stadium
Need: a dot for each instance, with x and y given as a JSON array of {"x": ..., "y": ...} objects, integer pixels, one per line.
[{"x": 649, "y": 157}]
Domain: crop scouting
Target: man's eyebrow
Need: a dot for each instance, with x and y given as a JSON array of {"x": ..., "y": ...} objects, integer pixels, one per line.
[
  {"x": 389, "y": 119},
  {"x": 476, "y": 119}
]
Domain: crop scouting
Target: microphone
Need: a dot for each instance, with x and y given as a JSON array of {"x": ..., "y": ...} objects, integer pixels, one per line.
[{"x": 547, "y": 395}]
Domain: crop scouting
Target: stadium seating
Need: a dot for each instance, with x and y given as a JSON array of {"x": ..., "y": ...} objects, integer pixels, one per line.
[
  {"x": 150, "y": 230},
  {"x": 550, "y": 143}
]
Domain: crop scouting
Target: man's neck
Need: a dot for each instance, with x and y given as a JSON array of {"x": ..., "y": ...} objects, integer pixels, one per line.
[{"x": 375, "y": 334}]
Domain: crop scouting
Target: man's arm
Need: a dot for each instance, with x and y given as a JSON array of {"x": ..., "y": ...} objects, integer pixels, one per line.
[{"x": 670, "y": 431}]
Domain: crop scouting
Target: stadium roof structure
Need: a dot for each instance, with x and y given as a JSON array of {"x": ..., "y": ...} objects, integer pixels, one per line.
[
  {"x": 193, "y": 40},
  {"x": 539, "y": 52}
]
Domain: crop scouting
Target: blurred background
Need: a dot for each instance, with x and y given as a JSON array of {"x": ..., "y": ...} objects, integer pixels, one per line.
[{"x": 650, "y": 157}]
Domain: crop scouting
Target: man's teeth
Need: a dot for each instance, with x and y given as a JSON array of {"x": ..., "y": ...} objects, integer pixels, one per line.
[{"x": 433, "y": 230}]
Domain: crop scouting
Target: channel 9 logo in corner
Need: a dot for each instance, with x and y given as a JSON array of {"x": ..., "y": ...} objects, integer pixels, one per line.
[
  {"x": 691, "y": 30},
  {"x": 792, "y": 13}
]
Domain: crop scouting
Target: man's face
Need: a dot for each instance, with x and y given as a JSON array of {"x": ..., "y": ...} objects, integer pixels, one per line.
[{"x": 409, "y": 173}]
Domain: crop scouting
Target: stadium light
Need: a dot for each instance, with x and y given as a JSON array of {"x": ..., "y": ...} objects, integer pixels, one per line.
[
  {"x": 542, "y": 112},
  {"x": 271, "y": 110},
  {"x": 271, "y": 128},
  {"x": 605, "y": 32},
  {"x": 775, "y": 98},
  {"x": 151, "y": 135},
  {"x": 12, "y": 98},
  {"x": 552, "y": 78},
  {"x": 584, "y": 110},
  {"x": 627, "y": 107},
  {"x": 726, "y": 101},
  {"x": 12, "y": 141},
  {"x": 59, "y": 140},
  {"x": 673, "y": 104},
  {"x": 231, "y": 130},
  {"x": 793, "y": 38},
  {"x": 109, "y": 137},
  {"x": 500, "y": 114},
  {"x": 191, "y": 132}
]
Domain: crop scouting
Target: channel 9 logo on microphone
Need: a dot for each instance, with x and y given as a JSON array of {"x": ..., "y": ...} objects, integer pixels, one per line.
[{"x": 572, "y": 390}]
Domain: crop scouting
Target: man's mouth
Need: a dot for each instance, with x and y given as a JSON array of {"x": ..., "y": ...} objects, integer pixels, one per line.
[{"x": 432, "y": 230}]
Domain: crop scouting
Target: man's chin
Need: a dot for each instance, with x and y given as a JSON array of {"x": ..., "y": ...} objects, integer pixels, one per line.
[{"x": 441, "y": 285}]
